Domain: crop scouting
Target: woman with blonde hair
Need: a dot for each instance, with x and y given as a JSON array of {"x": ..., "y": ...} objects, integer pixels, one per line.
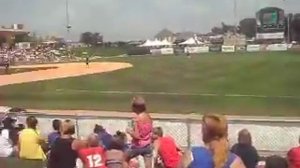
[
  {"x": 140, "y": 132},
  {"x": 63, "y": 153},
  {"x": 216, "y": 153}
]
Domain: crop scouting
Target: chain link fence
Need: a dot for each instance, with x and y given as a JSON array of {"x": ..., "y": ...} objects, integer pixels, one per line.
[{"x": 269, "y": 137}]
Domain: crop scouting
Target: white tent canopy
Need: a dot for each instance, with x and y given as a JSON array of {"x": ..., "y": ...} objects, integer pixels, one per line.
[
  {"x": 191, "y": 41},
  {"x": 149, "y": 43},
  {"x": 157, "y": 43}
]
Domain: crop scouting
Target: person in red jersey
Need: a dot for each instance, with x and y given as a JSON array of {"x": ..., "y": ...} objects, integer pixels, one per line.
[
  {"x": 94, "y": 155},
  {"x": 293, "y": 157},
  {"x": 166, "y": 148}
]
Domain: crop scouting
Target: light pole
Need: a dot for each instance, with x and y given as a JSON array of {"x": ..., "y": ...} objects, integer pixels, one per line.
[{"x": 68, "y": 26}]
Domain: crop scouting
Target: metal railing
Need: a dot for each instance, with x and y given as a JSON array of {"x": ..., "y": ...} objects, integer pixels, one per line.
[{"x": 269, "y": 135}]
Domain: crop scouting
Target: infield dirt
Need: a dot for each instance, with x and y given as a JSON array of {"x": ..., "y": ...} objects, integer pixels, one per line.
[{"x": 61, "y": 71}]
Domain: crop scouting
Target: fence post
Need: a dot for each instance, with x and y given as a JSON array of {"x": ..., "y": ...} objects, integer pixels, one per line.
[
  {"x": 77, "y": 126},
  {"x": 188, "y": 126}
]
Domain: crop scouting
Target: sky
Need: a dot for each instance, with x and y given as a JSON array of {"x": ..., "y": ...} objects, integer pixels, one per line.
[{"x": 130, "y": 19}]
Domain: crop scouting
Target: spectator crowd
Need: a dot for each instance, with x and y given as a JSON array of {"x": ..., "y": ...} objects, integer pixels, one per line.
[
  {"x": 141, "y": 145},
  {"x": 44, "y": 53},
  {"x": 28, "y": 55}
]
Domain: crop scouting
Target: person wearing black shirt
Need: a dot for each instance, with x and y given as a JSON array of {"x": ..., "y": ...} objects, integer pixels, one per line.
[
  {"x": 245, "y": 150},
  {"x": 276, "y": 162},
  {"x": 63, "y": 153}
]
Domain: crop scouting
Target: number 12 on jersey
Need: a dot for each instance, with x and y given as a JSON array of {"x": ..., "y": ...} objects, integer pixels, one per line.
[{"x": 95, "y": 161}]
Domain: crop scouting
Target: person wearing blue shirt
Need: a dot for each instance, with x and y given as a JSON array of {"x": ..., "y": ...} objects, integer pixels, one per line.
[{"x": 104, "y": 137}]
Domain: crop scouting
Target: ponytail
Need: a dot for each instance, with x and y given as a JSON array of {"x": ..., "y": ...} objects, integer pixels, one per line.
[{"x": 220, "y": 150}]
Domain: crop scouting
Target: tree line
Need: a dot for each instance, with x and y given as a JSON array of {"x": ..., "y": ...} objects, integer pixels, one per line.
[{"x": 92, "y": 39}]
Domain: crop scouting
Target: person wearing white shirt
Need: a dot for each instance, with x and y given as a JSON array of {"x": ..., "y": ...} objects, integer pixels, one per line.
[
  {"x": 6, "y": 147},
  {"x": 8, "y": 137}
]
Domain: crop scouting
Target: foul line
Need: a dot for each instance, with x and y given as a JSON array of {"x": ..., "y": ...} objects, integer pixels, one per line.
[{"x": 174, "y": 94}]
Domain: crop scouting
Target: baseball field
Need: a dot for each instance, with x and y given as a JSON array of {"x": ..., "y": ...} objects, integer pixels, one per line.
[{"x": 235, "y": 83}]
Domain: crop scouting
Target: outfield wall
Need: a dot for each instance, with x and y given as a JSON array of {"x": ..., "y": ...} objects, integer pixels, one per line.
[
  {"x": 219, "y": 48},
  {"x": 269, "y": 135}
]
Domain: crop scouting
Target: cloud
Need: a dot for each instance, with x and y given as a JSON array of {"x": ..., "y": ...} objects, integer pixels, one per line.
[{"x": 130, "y": 19}]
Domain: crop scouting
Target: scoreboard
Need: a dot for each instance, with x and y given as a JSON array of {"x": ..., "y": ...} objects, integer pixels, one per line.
[{"x": 270, "y": 23}]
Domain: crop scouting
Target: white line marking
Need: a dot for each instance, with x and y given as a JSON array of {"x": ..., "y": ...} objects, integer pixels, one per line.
[{"x": 175, "y": 94}]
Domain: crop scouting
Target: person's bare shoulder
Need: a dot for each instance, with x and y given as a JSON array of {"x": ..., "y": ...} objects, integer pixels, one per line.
[
  {"x": 79, "y": 144},
  {"x": 186, "y": 158},
  {"x": 144, "y": 117}
]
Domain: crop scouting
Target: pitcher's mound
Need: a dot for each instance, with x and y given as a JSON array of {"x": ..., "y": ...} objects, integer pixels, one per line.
[{"x": 61, "y": 71}]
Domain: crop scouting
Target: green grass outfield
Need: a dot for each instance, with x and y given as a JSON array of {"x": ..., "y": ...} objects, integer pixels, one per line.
[
  {"x": 100, "y": 51},
  {"x": 235, "y": 84}
]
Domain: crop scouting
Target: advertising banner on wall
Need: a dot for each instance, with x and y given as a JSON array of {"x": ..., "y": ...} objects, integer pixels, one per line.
[
  {"x": 263, "y": 47},
  {"x": 204, "y": 49},
  {"x": 228, "y": 48},
  {"x": 155, "y": 51},
  {"x": 190, "y": 50},
  {"x": 277, "y": 47},
  {"x": 264, "y": 36},
  {"x": 253, "y": 48},
  {"x": 193, "y": 50},
  {"x": 167, "y": 51}
]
